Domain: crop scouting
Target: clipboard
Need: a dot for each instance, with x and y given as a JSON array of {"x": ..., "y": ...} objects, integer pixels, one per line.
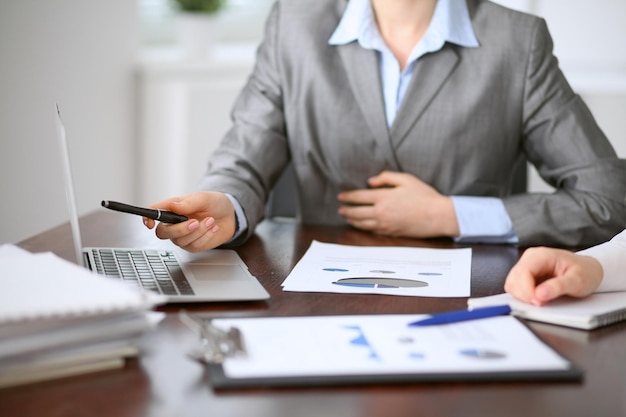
[{"x": 265, "y": 352}]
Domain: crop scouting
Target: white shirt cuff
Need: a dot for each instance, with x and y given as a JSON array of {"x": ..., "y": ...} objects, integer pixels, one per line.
[{"x": 612, "y": 257}]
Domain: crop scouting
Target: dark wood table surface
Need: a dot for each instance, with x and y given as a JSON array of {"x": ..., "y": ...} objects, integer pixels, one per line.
[{"x": 163, "y": 381}]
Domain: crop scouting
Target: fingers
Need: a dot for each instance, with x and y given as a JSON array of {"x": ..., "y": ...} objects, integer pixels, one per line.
[
  {"x": 549, "y": 290},
  {"x": 188, "y": 205},
  {"x": 400, "y": 205},
  {"x": 211, "y": 220},
  {"x": 581, "y": 276},
  {"x": 193, "y": 235},
  {"x": 360, "y": 217},
  {"x": 387, "y": 179},
  {"x": 164, "y": 204},
  {"x": 359, "y": 197},
  {"x": 566, "y": 284},
  {"x": 174, "y": 204},
  {"x": 520, "y": 284},
  {"x": 379, "y": 183},
  {"x": 534, "y": 266},
  {"x": 543, "y": 274},
  {"x": 149, "y": 223},
  {"x": 185, "y": 204}
]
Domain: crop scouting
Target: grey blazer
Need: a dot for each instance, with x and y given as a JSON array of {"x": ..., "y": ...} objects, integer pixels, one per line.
[{"x": 469, "y": 115}]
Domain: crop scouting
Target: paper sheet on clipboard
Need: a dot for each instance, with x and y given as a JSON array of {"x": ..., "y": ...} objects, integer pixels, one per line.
[{"x": 328, "y": 350}]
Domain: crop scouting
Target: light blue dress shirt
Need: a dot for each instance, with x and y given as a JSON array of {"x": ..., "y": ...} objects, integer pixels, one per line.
[{"x": 481, "y": 219}]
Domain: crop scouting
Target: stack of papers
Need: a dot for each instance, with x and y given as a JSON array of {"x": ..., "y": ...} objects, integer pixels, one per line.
[
  {"x": 58, "y": 319},
  {"x": 407, "y": 271}
]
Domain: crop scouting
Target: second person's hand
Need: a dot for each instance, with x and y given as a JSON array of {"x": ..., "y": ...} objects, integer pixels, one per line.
[{"x": 543, "y": 274}]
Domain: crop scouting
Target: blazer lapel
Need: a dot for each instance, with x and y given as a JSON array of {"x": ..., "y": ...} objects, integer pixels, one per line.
[
  {"x": 362, "y": 71},
  {"x": 430, "y": 74}
]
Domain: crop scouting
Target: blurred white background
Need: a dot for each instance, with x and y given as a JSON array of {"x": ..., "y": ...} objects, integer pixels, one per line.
[{"x": 128, "y": 99}]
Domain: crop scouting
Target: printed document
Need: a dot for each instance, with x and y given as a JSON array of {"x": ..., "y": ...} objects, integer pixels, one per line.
[
  {"x": 408, "y": 271},
  {"x": 384, "y": 344}
]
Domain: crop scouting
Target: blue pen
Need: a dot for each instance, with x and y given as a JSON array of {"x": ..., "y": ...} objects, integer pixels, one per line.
[{"x": 463, "y": 315}]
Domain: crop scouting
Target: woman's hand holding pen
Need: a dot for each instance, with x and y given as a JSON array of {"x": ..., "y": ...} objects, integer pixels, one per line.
[
  {"x": 400, "y": 204},
  {"x": 211, "y": 220}
]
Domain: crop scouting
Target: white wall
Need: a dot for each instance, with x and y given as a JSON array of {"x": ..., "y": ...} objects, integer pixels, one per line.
[
  {"x": 80, "y": 54},
  {"x": 589, "y": 41}
]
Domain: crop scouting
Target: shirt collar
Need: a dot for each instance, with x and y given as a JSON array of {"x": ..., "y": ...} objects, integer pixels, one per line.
[{"x": 450, "y": 23}]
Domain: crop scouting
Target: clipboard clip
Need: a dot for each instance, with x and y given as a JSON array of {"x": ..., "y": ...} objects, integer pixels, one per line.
[{"x": 216, "y": 344}]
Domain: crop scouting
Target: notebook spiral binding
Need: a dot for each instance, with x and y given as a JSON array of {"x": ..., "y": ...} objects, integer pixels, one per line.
[
  {"x": 610, "y": 318},
  {"x": 217, "y": 344}
]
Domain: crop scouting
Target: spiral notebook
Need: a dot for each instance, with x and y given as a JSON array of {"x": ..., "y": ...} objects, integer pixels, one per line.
[
  {"x": 57, "y": 319},
  {"x": 596, "y": 310}
]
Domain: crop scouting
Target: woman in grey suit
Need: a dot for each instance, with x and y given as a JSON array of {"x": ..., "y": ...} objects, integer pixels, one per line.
[{"x": 408, "y": 118}]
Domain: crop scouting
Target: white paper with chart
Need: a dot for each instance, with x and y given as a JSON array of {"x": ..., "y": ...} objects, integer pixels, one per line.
[{"x": 408, "y": 271}]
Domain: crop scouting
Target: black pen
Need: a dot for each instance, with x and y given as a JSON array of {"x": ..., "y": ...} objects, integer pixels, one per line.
[{"x": 156, "y": 214}]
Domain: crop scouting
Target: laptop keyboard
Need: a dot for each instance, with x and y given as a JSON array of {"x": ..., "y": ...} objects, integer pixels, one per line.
[{"x": 153, "y": 270}]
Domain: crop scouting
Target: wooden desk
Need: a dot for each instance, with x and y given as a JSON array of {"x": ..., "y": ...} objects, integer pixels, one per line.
[{"x": 164, "y": 382}]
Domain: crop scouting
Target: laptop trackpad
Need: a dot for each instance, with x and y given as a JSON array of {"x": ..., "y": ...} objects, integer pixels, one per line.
[{"x": 213, "y": 272}]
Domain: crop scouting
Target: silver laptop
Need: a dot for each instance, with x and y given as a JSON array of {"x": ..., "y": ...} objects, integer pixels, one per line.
[{"x": 216, "y": 275}]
